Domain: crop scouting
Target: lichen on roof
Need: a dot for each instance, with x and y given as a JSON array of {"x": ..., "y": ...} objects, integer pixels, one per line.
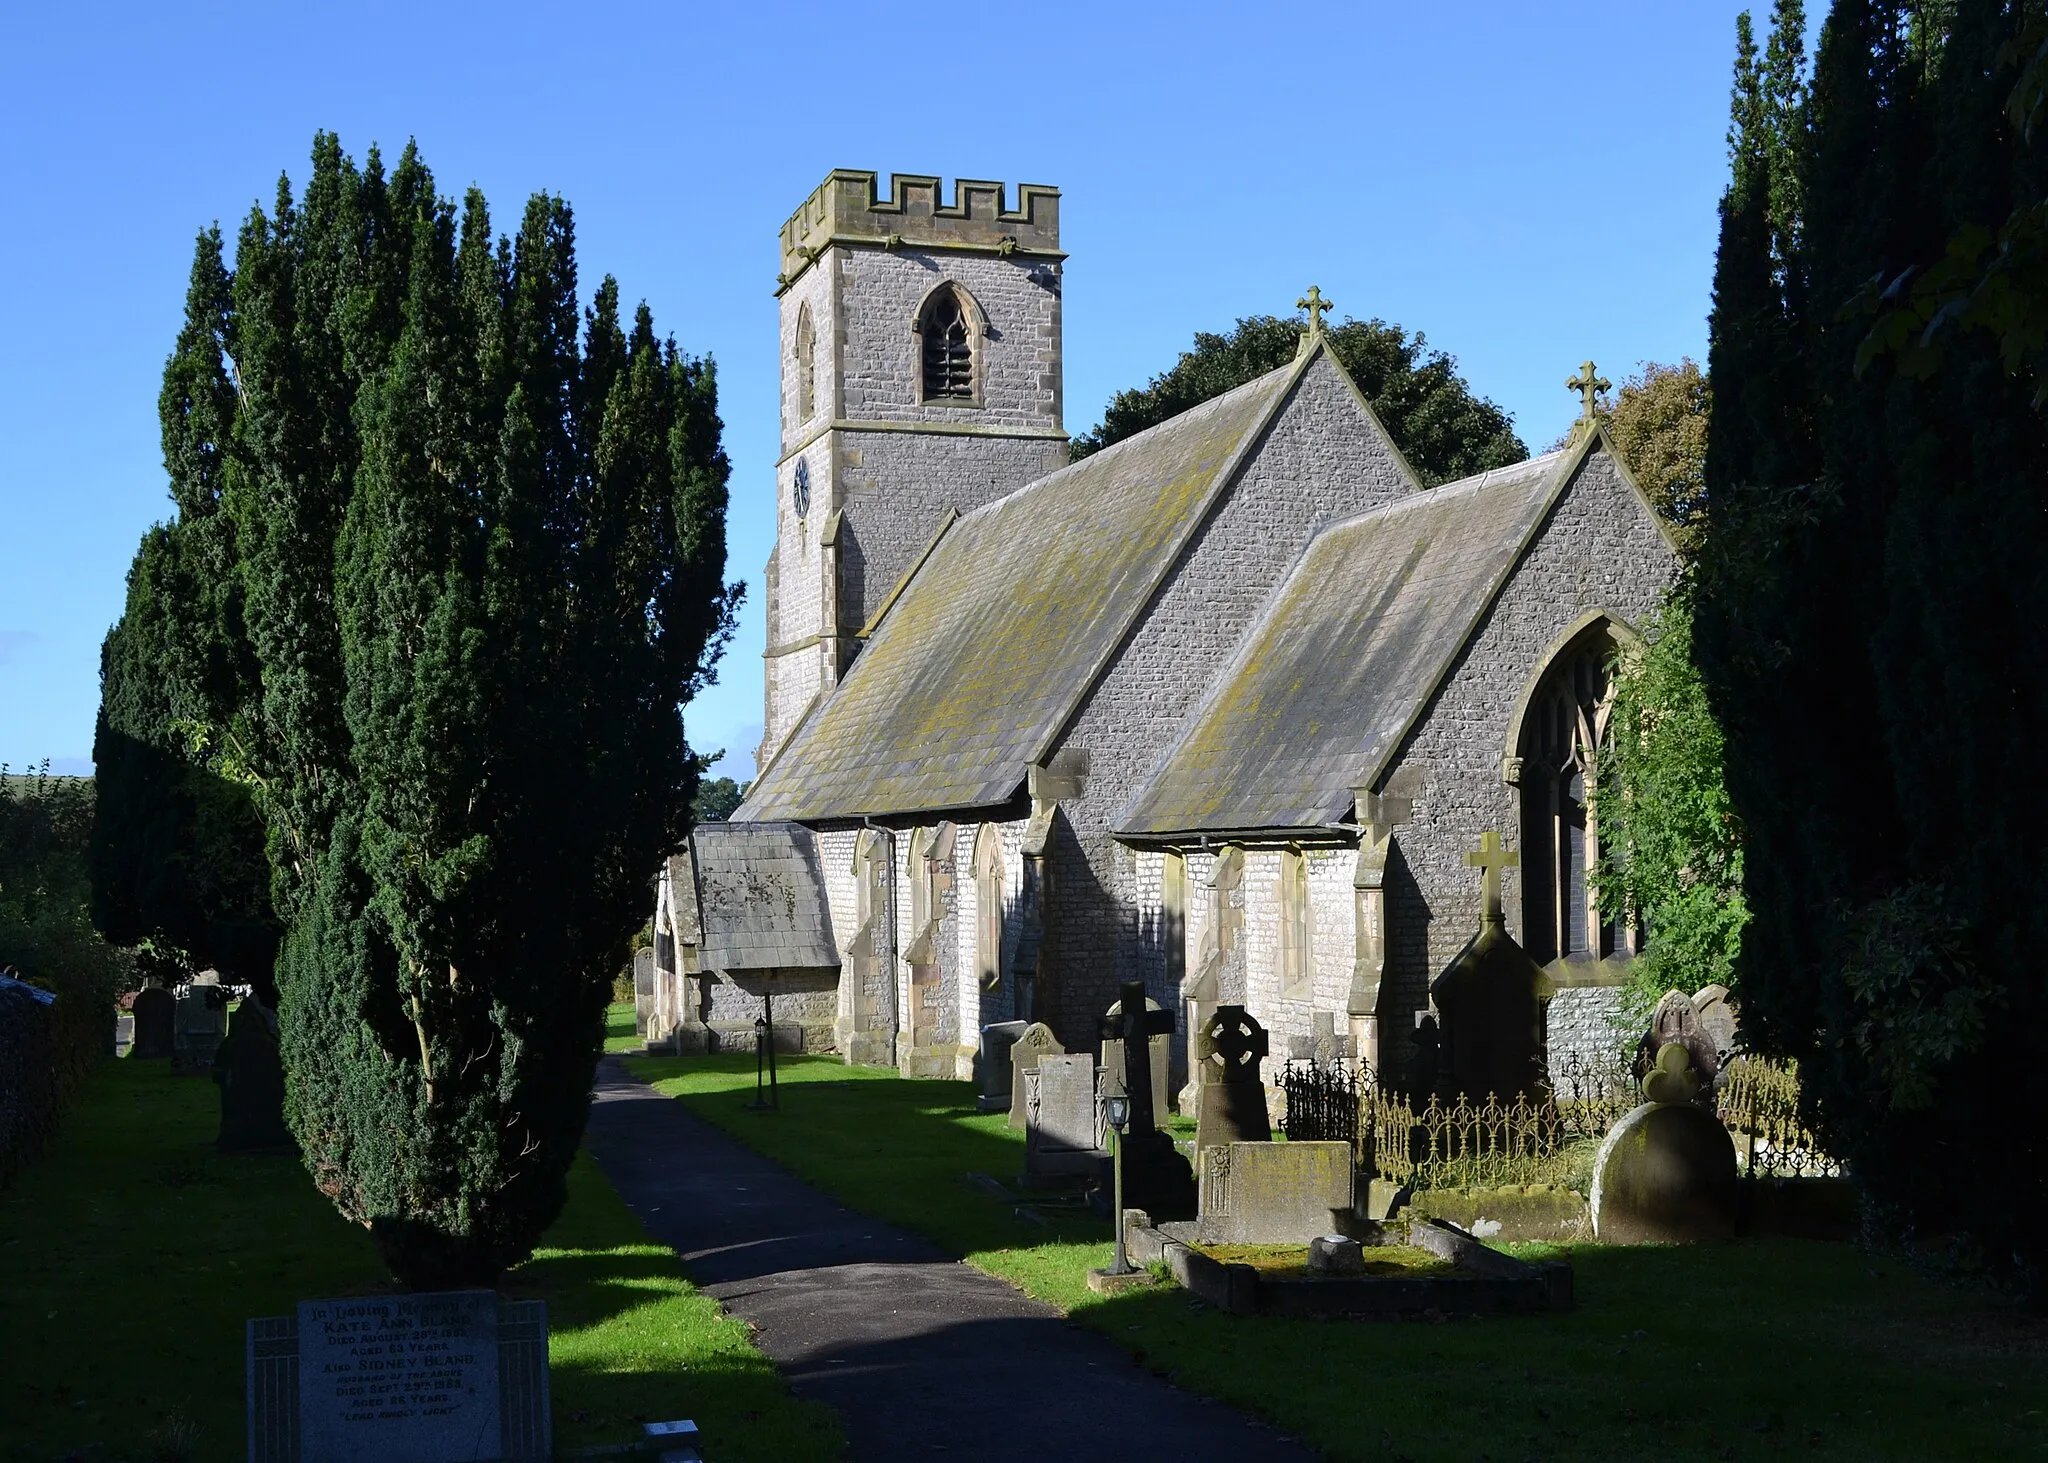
[
  {"x": 1007, "y": 624},
  {"x": 1327, "y": 681}
]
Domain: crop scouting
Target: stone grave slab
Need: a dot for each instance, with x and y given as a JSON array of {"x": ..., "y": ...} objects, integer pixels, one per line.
[
  {"x": 1061, "y": 1135},
  {"x": 1036, "y": 1041},
  {"x": 1274, "y": 1193},
  {"x": 443, "y": 1377}
]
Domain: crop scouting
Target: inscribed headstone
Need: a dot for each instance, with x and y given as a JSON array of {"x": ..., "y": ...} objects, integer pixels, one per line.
[
  {"x": 1718, "y": 1018},
  {"x": 1036, "y": 1042},
  {"x": 1060, "y": 1133},
  {"x": 1160, "y": 1045},
  {"x": 447, "y": 1377},
  {"x": 155, "y": 1009},
  {"x": 1274, "y": 1193}
]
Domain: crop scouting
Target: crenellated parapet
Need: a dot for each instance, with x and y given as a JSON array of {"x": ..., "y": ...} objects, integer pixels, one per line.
[{"x": 848, "y": 208}]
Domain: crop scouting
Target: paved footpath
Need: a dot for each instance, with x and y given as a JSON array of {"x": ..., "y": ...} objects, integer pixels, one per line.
[{"x": 919, "y": 1354}]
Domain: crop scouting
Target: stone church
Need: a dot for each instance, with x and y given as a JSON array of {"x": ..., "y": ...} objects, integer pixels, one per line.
[{"x": 1222, "y": 707}]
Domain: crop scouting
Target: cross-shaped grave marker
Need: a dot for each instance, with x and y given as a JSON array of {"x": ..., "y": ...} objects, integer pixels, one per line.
[
  {"x": 1236, "y": 1044},
  {"x": 1134, "y": 1025},
  {"x": 1490, "y": 858},
  {"x": 1589, "y": 383}
]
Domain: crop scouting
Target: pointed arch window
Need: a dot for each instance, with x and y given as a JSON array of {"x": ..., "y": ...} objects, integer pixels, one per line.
[
  {"x": 988, "y": 907},
  {"x": 806, "y": 364},
  {"x": 947, "y": 333},
  {"x": 1563, "y": 733}
]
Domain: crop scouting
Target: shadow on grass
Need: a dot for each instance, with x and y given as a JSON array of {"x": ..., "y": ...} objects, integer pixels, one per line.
[{"x": 900, "y": 1150}]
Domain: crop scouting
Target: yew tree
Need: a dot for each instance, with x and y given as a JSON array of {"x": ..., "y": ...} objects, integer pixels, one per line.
[{"x": 474, "y": 538}]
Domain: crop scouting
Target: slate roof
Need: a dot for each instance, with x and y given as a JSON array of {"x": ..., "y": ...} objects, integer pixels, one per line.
[
  {"x": 1007, "y": 623},
  {"x": 1326, "y": 683},
  {"x": 761, "y": 898}
]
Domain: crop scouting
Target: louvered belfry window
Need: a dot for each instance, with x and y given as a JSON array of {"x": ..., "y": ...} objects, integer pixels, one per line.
[{"x": 948, "y": 350}]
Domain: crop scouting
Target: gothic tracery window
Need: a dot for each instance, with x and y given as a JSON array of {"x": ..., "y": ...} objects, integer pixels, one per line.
[
  {"x": 948, "y": 350},
  {"x": 1563, "y": 731}
]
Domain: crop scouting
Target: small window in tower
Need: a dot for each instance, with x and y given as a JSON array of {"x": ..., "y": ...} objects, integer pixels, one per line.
[
  {"x": 806, "y": 365},
  {"x": 948, "y": 349}
]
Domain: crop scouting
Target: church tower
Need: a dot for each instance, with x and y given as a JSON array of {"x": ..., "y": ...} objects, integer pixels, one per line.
[{"x": 920, "y": 379}]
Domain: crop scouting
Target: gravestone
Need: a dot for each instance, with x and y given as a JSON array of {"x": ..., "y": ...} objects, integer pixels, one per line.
[
  {"x": 992, "y": 1066},
  {"x": 1060, "y": 1132},
  {"x": 1033, "y": 1044},
  {"x": 1231, "y": 1107},
  {"x": 455, "y": 1376},
  {"x": 1274, "y": 1193},
  {"x": 1156, "y": 1176},
  {"x": 1491, "y": 999},
  {"x": 155, "y": 1010},
  {"x": 251, "y": 1077},
  {"x": 1718, "y": 1018},
  {"x": 1676, "y": 1021},
  {"x": 643, "y": 991},
  {"x": 1161, "y": 1054},
  {"x": 1666, "y": 1172},
  {"x": 199, "y": 1022}
]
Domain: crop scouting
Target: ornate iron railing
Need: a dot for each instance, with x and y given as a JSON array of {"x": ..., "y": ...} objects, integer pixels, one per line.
[
  {"x": 1322, "y": 1100},
  {"x": 1758, "y": 1102}
]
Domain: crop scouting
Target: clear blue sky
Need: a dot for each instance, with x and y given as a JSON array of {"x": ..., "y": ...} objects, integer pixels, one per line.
[{"x": 1528, "y": 184}]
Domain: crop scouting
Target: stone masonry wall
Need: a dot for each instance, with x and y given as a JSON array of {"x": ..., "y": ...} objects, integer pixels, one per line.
[
  {"x": 1599, "y": 549},
  {"x": 1321, "y": 459}
]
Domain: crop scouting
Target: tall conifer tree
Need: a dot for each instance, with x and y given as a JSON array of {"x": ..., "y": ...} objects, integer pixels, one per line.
[{"x": 478, "y": 568}]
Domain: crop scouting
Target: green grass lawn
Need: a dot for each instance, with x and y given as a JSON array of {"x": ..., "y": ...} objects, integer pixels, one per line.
[
  {"x": 619, "y": 1035},
  {"x": 1749, "y": 1349},
  {"x": 131, "y": 1255}
]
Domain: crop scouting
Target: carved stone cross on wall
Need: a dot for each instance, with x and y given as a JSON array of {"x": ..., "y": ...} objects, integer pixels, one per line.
[
  {"x": 1589, "y": 383},
  {"x": 1490, "y": 858},
  {"x": 1315, "y": 304},
  {"x": 1134, "y": 1025}
]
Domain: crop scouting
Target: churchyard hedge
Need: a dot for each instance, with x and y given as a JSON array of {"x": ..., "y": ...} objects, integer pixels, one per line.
[{"x": 47, "y": 941}]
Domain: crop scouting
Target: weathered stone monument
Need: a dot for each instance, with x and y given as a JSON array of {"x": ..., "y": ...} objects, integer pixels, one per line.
[
  {"x": 992, "y": 1066},
  {"x": 1676, "y": 1021},
  {"x": 1666, "y": 1171},
  {"x": 1035, "y": 1043},
  {"x": 445, "y": 1377},
  {"x": 1157, "y": 1178},
  {"x": 1275, "y": 1193},
  {"x": 1491, "y": 1000},
  {"x": 1061, "y": 1136},
  {"x": 643, "y": 991},
  {"x": 1160, "y": 1025},
  {"x": 199, "y": 1022},
  {"x": 251, "y": 1076},
  {"x": 1231, "y": 1107},
  {"x": 155, "y": 1010},
  {"x": 1718, "y": 1018}
]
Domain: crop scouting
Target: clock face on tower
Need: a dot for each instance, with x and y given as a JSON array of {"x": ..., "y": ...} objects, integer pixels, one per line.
[{"x": 800, "y": 490}]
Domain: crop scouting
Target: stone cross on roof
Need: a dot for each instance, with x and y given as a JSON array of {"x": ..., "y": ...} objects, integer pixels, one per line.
[
  {"x": 1589, "y": 383},
  {"x": 1490, "y": 858},
  {"x": 1315, "y": 304}
]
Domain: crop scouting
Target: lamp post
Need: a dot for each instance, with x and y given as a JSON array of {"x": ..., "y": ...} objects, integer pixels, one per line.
[{"x": 1117, "y": 1108}]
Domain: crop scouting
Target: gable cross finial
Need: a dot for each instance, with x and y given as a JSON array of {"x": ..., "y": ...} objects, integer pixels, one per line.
[
  {"x": 1315, "y": 304},
  {"x": 1490, "y": 858},
  {"x": 1589, "y": 383}
]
